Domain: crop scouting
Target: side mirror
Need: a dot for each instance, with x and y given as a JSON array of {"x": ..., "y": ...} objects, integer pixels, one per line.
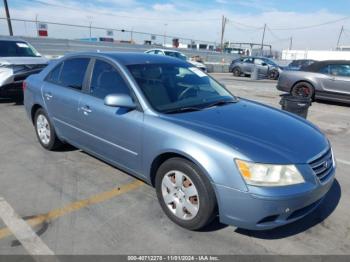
[
  {"x": 263, "y": 64},
  {"x": 119, "y": 100}
]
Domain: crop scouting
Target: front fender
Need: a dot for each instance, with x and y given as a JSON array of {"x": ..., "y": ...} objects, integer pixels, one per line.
[{"x": 214, "y": 159}]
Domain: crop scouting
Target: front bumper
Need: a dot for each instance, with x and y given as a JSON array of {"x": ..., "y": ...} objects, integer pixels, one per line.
[{"x": 266, "y": 211}]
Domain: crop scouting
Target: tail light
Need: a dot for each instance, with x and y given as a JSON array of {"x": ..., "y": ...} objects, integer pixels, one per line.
[{"x": 24, "y": 86}]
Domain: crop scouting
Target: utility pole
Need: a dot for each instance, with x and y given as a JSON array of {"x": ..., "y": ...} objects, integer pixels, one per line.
[
  {"x": 164, "y": 37},
  {"x": 291, "y": 43},
  {"x": 223, "y": 26},
  {"x": 8, "y": 17},
  {"x": 340, "y": 35},
  {"x": 262, "y": 41}
]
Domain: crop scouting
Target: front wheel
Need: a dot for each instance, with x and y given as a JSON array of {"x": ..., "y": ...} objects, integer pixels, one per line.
[
  {"x": 273, "y": 74},
  {"x": 45, "y": 131},
  {"x": 185, "y": 194}
]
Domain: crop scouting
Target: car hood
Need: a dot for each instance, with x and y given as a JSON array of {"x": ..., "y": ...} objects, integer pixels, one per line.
[
  {"x": 23, "y": 60},
  {"x": 261, "y": 133}
]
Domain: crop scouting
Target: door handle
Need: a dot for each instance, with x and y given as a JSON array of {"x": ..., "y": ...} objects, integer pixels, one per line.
[
  {"x": 86, "y": 109},
  {"x": 48, "y": 96}
]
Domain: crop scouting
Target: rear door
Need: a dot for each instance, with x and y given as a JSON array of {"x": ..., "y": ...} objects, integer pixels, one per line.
[
  {"x": 111, "y": 132},
  {"x": 61, "y": 93}
]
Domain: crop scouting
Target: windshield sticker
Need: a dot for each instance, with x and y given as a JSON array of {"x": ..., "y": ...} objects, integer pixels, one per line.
[
  {"x": 197, "y": 71},
  {"x": 23, "y": 45}
]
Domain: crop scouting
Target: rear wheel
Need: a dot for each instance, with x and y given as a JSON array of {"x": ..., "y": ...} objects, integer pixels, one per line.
[
  {"x": 236, "y": 71},
  {"x": 45, "y": 131},
  {"x": 185, "y": 194},
  {"x": 303, "y": 89}
]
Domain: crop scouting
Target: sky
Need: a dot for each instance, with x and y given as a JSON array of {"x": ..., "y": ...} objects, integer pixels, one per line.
[{"x": 285, "y": 19}]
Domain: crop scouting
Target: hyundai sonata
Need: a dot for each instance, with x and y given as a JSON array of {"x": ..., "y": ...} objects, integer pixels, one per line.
[{"x": 206, "y": 151}]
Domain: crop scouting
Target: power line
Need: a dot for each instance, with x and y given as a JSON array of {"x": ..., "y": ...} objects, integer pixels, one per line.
[
  {"x": 312, "y": 26},
  {"x": 124, "y": 16}
]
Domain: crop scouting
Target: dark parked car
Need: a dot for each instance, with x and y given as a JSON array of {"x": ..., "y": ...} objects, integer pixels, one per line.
[
  {"x": 299, "y": 65},
  {"x": 165, "y": 121},
  {"x": 246, "y": 65},
  {"x": 18, "y": 60},
  {"x": 328, "y": 80}
]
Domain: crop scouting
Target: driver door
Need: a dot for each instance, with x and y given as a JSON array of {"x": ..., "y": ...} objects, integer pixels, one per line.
[{"x": 113, "y": 133}]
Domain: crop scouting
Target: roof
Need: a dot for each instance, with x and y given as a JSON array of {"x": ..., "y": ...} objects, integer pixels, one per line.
[
  {"x": 317, "y": 66},
  {"x": 13, "y": 39},
  {"x": 134, "y": 58}
]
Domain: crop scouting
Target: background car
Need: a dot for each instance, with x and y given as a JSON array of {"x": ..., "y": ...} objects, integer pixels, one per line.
[
  {"x": 246, "y": 65},
  {"x": 297, "y": 65},
  {"x": 164, "y": 121},
  {"x": 178, "y": 55},
  {"x": 18, "y": 60},
  {"x": 328, "y": 80}
]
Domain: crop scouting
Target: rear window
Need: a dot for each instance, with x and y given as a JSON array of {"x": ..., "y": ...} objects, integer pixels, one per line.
[
  {"x": 17, "y": 49},
  {"x": 70, "y": 73}
]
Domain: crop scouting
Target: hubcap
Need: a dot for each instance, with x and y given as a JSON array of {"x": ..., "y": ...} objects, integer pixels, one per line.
[
  {"x": 180, "y": 195},
  {"x": 43, "y": 129}
]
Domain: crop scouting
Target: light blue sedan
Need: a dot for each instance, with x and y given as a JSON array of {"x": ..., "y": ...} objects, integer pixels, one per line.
[{"x": 205, "y": 151}]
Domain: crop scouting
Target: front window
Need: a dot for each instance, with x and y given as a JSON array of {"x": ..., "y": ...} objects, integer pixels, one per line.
[
  {"x": 171, "y": 87},
  {"x": 17, "y": 49}
]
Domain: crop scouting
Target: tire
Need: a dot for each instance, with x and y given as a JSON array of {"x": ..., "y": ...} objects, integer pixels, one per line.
[
  {"x": 45, "y": 132},
  {"x": 190, "y": 204},
  {"x": 273, "y": 74},
  {"x": 236, "y": 72},
  {"x": 303, "y": 89}
]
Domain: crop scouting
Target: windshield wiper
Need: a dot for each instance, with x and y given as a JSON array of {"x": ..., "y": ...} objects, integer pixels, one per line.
[
  {"x": 221, "y": 103},
  {"x": 182, "y": 110}
]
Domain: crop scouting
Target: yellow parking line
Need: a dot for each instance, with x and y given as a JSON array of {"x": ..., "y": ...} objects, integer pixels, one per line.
[{"x": 59, "y": 212}]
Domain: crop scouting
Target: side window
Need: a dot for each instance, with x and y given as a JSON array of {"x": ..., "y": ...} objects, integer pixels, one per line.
[
  {"x": 54, "y": 75},
  {"x": 150, "y": 52},
  {"x": 106, "y": 80},
  {"x": 73, "y": 72},
  {"x": 248, "y": 60},
  {"x": 258, "y": 61},
  {"x": 339, "y": 70},
  {"x": 325, "y": 70}
]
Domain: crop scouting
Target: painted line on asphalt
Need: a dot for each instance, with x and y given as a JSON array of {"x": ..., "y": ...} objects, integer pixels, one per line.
[
  {"x": 22, "y": 231},
  {"x": 343, "y": 162},
  {"x": 75, "y": 206}
]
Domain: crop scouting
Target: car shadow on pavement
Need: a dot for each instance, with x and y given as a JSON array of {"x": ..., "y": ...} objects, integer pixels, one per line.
[{"x": 318, "y": 216}]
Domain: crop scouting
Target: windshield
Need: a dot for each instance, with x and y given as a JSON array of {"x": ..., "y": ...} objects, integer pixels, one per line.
[
  {"x": 171, "y": 87},
  {"x": 17, "y": 49},
  {"x": 270, "y": 62},
  {"x": 176, "y": 54}
]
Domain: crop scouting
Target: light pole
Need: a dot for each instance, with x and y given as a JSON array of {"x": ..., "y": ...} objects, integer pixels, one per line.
[
  {"x": 164, "y": 41},
  {"x": 8, "y": 17},
  {"x": 89, "y": 17}
]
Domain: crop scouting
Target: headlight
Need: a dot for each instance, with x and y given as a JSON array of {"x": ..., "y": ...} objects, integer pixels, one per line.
[{"x": 269, "y": 175}]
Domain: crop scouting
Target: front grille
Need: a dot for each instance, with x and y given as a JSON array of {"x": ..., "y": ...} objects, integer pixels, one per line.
[{"x": 323, "y": 165}]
